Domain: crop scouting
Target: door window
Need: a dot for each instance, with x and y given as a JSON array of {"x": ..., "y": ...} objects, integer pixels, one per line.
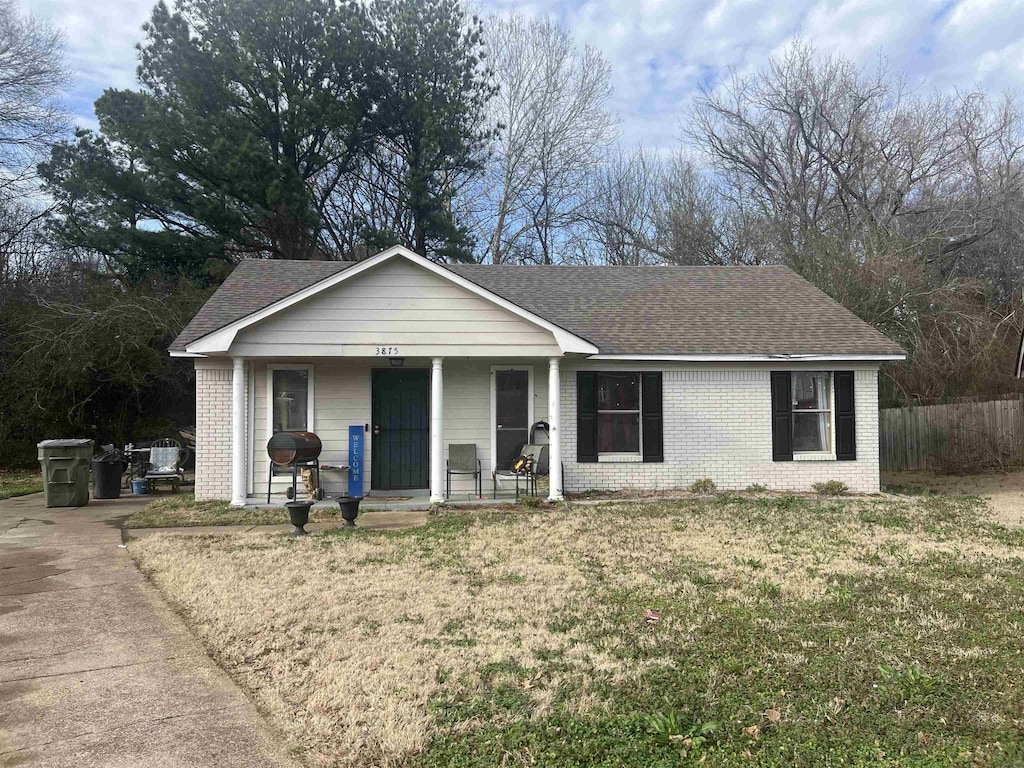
[{"x": 511, "y": 414}]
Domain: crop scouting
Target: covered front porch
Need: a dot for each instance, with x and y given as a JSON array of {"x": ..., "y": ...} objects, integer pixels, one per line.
[
  {"x": 410, "y": 413},
  {"x": 411, "y": 356}
]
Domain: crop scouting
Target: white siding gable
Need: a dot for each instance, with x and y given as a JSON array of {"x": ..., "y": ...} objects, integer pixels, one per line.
[{"x": 399, "y": 306}]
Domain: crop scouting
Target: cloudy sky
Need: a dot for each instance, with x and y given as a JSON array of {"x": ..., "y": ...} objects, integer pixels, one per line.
[{"x": 662, "y": 50}]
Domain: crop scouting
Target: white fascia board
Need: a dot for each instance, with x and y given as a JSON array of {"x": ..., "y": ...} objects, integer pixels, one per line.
[
  {"x": 220, "y": 340},
  {"x": 175, "y": 353},
  {"x": 708, "y": 358}
]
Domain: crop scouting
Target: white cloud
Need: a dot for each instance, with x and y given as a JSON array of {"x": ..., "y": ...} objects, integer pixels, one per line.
[
  {"x": 101, "y": 38},
  {"x": 662, "y": 50}
]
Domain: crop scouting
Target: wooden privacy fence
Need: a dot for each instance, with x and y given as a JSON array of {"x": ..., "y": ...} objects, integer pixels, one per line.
[{"x": 954, "y": 437}]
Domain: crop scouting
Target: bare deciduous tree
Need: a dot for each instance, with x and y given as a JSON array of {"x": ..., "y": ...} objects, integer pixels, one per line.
[
  {"x": 32, "y": 79},
  {"x": 906, "y": 208},
  {"x": 554, "y": 122}
]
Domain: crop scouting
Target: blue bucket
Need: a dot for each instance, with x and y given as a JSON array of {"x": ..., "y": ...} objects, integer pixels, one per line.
[{"x": 139, "y": 487}]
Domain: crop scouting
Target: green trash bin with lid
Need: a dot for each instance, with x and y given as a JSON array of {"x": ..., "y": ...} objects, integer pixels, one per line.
[{"x": 65, "y": 465}]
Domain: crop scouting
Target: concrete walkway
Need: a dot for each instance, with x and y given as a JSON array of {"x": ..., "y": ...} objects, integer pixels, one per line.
[{"x": 94, "y": 669}]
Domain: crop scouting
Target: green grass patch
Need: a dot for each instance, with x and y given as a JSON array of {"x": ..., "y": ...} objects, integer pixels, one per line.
[
  {"x": 17, "y": 482},
  {"x": 182, "y": 510},
  {"x": 905, "y": 666}
]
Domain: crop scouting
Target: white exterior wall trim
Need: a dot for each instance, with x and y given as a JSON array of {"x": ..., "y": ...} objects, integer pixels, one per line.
[{"x": 220, "y": 340}]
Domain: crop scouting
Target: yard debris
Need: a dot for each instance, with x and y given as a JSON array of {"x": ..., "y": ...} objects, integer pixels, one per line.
[
  {"x": 772, "y": 715},
  {"x": 753, "y": 732},
  {"x": 651, "y": 617},
  {"x": 529, "y": 682}
]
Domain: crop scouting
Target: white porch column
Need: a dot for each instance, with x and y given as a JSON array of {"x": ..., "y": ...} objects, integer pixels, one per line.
[
  {"x": 555, "y": 438},
  {"x": 436, "y": 432},
  {"x": 238, "y": 484}
]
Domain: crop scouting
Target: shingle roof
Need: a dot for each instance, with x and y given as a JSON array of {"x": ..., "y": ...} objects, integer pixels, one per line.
[
  {"x": 251, "y": 286},
  {"x": 767, "y": 310}
]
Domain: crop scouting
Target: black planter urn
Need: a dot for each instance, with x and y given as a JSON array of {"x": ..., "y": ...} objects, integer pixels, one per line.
[
  {"x": 349, "y": 509},
  {"x": 298, "y": 513}
]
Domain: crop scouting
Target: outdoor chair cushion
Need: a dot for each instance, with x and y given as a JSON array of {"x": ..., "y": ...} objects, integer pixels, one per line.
[{"x": 164, "y": 461}]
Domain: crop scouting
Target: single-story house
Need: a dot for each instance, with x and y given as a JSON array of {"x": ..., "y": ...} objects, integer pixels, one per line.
[{"x": 647, "y": 377}]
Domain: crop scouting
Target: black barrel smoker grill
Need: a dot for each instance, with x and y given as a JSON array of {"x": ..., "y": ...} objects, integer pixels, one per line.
[{"x": 297, "y": 450}]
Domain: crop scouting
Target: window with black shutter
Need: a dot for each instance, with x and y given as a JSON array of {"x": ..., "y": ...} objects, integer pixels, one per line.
[
  {"x": 846, "y": 431},
  {"x": 586, "y": 416},
  {"x": 813, "y": 415},
  {"x": 782, "y": 417},
  {"x": 619, "y": 416},
  {"x": 653, "y": 448}
]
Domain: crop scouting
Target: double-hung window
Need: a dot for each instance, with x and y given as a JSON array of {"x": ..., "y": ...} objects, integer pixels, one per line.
[
  {"x": 290, "y": 402},
  {"x": 291, "y": 399},
  {"x": 618, "y": 414},
  {"x": 812, "y": 412},
  {"x": 813, "y": 415}
]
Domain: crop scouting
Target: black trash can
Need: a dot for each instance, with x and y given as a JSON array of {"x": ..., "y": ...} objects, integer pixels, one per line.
[{"x": 106, "y": 476}]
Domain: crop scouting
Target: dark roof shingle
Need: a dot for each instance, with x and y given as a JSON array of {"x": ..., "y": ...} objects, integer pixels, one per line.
[
  {"x": 251, "y": 286},
  {"x": 767, "y": 310}
]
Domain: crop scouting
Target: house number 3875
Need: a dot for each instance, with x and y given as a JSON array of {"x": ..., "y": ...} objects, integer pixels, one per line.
[{"x": 387, "y": 351}]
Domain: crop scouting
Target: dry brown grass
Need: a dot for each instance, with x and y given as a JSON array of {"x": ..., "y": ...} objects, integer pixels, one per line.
[{"x": 347, "y": 639}]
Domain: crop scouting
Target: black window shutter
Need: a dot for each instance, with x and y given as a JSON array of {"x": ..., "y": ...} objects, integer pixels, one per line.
[
  {"x": 650, "y": 410},
  {"x": 846, "y": 433},
  {"x": 586, "y": 416},
  {"x": 782, "y": 417}
]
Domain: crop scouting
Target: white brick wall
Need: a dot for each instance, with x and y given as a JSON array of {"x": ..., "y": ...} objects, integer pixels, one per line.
[
  {"x": 213, "y": 429},
  {"x": 717, "y": 424}
]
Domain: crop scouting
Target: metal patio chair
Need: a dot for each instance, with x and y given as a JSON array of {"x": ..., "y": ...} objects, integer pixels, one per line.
[
  {"x": 462, "y": 460},
  {"x": 164, "y": 460}
]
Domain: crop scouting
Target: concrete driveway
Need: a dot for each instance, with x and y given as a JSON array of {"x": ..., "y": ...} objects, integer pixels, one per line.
[{"x": 94, "y": 669}]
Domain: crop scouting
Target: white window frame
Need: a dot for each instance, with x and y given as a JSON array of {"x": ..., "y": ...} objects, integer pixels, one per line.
[
  {"x": 829, "y": 455},
  {"x": 310, "y": 405},
  {"x": 530, "y": 420},
  {"x": 625, "y": 456}
]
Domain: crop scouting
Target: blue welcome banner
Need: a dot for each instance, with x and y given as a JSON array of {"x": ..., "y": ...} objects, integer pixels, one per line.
[{"x": 355, "y": 460}]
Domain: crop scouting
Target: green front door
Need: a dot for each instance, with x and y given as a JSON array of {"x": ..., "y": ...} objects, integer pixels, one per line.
[{"x": 401, "y": 430}]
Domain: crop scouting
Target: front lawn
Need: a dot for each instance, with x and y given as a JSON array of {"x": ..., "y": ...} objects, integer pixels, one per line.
[
  {"x": 182, "y": 510},
  {"x": 19, "y": 482},
  {"x": 778, "y": 631}
]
